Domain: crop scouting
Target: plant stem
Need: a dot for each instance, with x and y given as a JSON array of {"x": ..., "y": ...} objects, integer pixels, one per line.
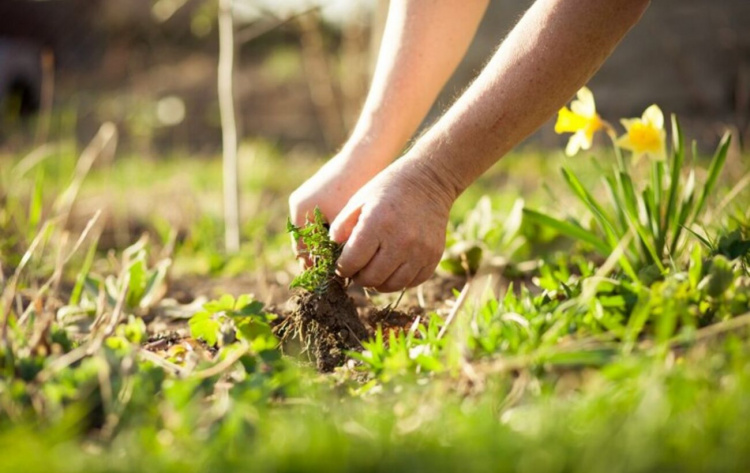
[{"x": 228, "y": 127}]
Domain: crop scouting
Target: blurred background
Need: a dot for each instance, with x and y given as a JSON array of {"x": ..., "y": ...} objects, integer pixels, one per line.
[
  {"x": 147, "y": 71},
  {"x": 302, "y": 69}
]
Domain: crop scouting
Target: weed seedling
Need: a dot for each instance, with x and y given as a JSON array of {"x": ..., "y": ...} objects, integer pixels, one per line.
[{"x": 321, "y": 250}]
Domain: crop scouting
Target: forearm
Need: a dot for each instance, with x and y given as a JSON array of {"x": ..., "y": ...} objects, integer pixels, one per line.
[
  {"x": 555, "y": 48},
  {"x": 422, "y": 44}
]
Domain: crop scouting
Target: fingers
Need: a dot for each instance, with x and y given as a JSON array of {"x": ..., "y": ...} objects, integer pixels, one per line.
[
  {"x": 343, "y": 226},
  {"x": 382, "y": 266},
  {"x": 400, "y": 279},
  {"x": 357, "y": 253},
  {"x": 406, "y": 276},
  {"x": 361, "y": 245}
]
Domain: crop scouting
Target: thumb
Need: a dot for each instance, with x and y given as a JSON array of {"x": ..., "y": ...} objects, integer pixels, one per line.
[{"x": 343, "y": 225}]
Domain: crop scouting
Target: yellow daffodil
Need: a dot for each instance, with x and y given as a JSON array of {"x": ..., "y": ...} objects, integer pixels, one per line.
[
  {"x": 645, "y": 135},
  {"x": 581, "y": 120}
]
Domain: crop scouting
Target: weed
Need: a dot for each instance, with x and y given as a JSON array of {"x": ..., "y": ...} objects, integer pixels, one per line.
[{"x": 322, "y": 251}]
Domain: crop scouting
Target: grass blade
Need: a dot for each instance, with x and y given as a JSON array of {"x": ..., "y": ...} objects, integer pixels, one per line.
[
  {"x": 572, "y": 230},
  {"x": 717, "y": 164},
  {"x": 584, "y": 196},
  {"x": 678, "y": 158}
]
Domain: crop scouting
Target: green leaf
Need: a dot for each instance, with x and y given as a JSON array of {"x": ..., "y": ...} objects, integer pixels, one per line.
[
  {"x": 569, "y": 229},
  {"x": 249, "y": 329},
  {"x": 678, "y": 158},
  {"x": 599, "y": 213},
  {"x": 719, "y": 278},
  {"x": 204, "y": 327},
  {"x": 696, "y": 266},
  {"x": 81, "y": 278},
  {"x": 717, "y": 163}
]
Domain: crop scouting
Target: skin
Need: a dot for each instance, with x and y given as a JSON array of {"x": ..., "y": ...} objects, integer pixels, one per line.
[{"x": 393, "y": 217}]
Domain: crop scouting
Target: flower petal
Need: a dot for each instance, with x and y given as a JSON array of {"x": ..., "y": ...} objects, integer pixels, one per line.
[
  {"x": 574, "y": 145},
  {"x": 585, "y": 104},
  {"x": 569, "y": 122},
  {"x": 585, "y": 138},
  {"x": 624, "y": 142},
  {"x": 654, "y": 116},
  {"x": 628, "y": 122}
]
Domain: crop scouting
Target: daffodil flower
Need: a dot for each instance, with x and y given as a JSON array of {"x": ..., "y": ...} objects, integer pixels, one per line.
[
  {"x": 581, "y": 120},
  {"x": 645, "y": 135}
]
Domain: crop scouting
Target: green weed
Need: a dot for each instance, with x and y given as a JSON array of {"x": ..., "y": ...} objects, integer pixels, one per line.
[{"x": 320, "y": 249}]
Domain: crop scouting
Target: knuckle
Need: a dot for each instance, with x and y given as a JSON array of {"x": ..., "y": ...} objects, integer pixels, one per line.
[
  {"x": 393, "y": 285},
  {"x": 388, "y": 287},
  {"x": 369, "y": 279},
  {"x": 345, "y": 268},
  {"x": 295, "y": 199}
]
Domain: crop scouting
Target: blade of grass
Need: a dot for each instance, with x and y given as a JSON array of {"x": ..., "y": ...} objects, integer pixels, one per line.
[
  {"x": 678, "y": 158},
  {"x": 633, "y": 214},
  {"x": 75, "y": 295},
  {"x": 684, "y": 210},
  {"x": 611, "y": 186},
  {"x": 596, "y": 209},
  {"x": 566, "y": 228},
  {"x": 717, "y": 164}
]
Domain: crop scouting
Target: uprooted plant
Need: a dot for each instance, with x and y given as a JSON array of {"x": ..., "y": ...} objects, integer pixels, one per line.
[
  {"x": 320, "y": 250},
  {"x": 325, "y": 319}
]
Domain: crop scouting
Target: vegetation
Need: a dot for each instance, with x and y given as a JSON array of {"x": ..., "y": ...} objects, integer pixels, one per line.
[
  {"x": 612, "y": 337},
  {"x": 320, "y": 249}
]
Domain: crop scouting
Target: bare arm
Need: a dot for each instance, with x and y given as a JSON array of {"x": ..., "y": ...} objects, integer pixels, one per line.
[
  {"x": 550, "y": 54},
  {"x": 555, "y": 48},
  {"x": 423, "y": 42}
]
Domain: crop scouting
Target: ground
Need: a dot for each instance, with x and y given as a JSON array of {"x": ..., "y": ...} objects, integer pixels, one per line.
[{"x": 135, "y": 343}]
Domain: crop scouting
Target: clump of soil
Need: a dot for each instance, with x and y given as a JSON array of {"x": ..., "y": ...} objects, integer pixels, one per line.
[
  {"x": 328, "y": 324},
  {"x": 390, "y": 319}
]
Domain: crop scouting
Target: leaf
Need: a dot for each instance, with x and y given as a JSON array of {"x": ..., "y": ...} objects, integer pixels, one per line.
[
  {"x": 696, "y": 266},
  {"x": 253, "y": 308},
  {"x": 678, "y": 157},
  {"x": 204, "y": 327},
  {"x": 75, "y": 295},
  {"x": 732, "y": 245},
  {"x": 155, "y": 280},
  {"x": 249, "y": 329},
  {"x": 137, "y": 282},
  {"x": 569, "y": 229},
  {"x": 584, "y": 196},
  {"x": 719, "y": 278},
  {"x": 717, "y": 163},
  {"x": 224, "y": 304}
]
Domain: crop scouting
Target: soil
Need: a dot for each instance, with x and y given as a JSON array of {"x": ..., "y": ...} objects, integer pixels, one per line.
[
  {"x": 390, "y": 319},
  {"x": 322, "y": 327},
  {"x": 328, "y": 324}
]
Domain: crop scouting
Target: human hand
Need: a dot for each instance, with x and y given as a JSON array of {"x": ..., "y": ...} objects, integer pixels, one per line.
[
  {"x": 329, "y": 189},
  {"x": 394, "y": 228}
]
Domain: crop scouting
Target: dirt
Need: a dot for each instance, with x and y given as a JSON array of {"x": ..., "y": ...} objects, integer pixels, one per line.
[
  {"x": 391, "y": 319},
  {"x": 323, "y": 327},
  {"x": 328, "y": 325}
]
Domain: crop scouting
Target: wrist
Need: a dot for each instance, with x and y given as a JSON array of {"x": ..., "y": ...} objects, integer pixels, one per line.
[
  {"x": 364, "y": 157},
  {"x": 437, "y": 168},
  {"x": 430, "y": 175}
]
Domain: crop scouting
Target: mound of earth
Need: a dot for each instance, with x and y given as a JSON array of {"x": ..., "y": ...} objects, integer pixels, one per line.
[{"x": 329, "y": 325}]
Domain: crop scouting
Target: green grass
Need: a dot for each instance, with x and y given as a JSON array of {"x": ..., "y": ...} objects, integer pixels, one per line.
[{"x": 572, "y": 365}]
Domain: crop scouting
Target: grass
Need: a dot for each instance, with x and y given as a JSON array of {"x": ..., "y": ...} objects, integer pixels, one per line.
[{"x": 573, "y": 364}]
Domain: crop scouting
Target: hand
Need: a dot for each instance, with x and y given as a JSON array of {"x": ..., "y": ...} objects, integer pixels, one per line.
[
  {"x": 328, "y": 189},
  {"x": 394, "y": 228}
]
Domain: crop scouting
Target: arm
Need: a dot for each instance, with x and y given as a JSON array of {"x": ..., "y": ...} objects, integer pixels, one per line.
[
  {"x": 550, "y": 54},
  {"x": 407, "y": 79}
]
